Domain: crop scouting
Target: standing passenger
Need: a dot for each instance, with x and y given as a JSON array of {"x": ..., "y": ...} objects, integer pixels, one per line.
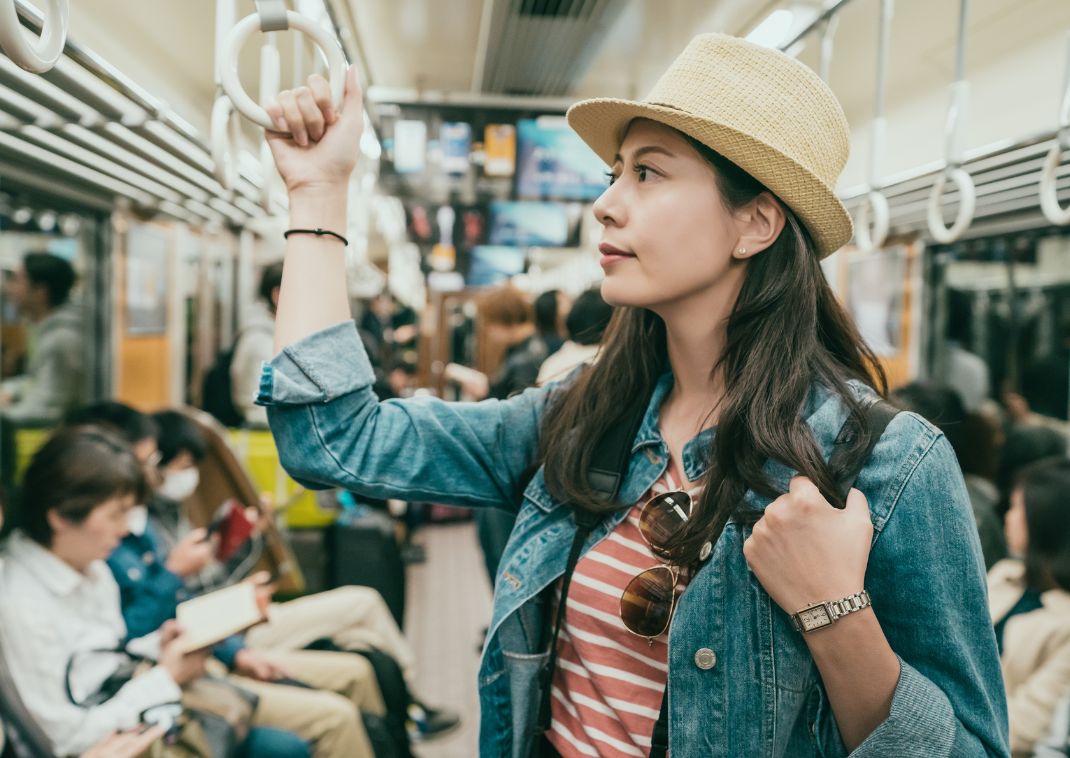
[
  {"x": 720, "y": 207},
  {"x": 55, "y": 379}
]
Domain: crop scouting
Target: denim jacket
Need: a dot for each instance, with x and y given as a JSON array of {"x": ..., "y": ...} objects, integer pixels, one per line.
[{"x": 741, "y": 681}]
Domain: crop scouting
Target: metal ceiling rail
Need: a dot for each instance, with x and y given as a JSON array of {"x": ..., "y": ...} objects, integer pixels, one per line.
[{"x": 85, "y": 113}]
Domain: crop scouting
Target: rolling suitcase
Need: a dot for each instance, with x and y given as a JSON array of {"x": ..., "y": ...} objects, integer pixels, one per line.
[{"x": 362, "y": 549}]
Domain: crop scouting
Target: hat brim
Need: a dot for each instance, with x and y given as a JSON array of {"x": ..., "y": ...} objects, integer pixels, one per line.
[{"x": 602, "y": 122}]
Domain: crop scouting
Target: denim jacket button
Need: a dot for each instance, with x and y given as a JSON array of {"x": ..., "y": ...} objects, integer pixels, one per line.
[
  {"x": 704, "y": 553},
  {"x": 705, "y": 659}
]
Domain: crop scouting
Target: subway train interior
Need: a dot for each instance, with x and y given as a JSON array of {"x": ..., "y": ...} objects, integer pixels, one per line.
[{"x": 235, "y": 525}]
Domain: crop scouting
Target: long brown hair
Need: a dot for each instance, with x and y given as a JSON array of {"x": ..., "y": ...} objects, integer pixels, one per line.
[{"x": 785, "y": 331}]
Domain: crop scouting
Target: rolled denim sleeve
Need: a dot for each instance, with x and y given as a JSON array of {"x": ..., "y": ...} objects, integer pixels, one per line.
[
  {"x": 331, "y": 430},
  {"x": 926, "y": 577}
]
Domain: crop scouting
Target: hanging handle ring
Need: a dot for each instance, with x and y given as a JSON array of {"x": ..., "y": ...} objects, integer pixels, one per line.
[
  {"x": 967, "y": 205},
  {"x": 39, "y": 56},
  {"x": 875, "y": 206},
  {"x": 1049, "y": 200},
  {"x": 240, "y": 34},
  {"x": 226, "y": 137}
]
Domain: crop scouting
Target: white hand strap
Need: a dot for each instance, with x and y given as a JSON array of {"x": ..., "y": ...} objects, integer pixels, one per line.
[
  {"x": 240, "y": 34},
  {"x": 40, "y": 56}
]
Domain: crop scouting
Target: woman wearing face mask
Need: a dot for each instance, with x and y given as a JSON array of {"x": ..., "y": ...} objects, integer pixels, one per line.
[{"x": 719, "y": 209}]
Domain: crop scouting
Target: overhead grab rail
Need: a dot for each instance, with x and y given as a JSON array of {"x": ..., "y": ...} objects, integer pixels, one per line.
[
  {"x": 956, "y": 117},
  {"x": 1049, "y": 199},
  {"x": 272, "y": 16},
  {"x": 875, "y": 209},
  {"x": 226, "y": 129},
  {"x": 828, "y": 34},
  {"x": 40, "y": 55}
]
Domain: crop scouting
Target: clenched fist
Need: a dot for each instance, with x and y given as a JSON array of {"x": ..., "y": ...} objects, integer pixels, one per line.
[{"x": 804, "y": 551}]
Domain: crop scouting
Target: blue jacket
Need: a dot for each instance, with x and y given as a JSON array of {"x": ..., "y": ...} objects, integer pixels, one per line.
[
  {"x": 150, "y": 592},
  {"x": 763, "y": 696}
]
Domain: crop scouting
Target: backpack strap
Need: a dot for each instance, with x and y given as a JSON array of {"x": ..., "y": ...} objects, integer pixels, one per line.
[
  {"x": 878, "y": 414},
  {"x": 608, "y": 466}
]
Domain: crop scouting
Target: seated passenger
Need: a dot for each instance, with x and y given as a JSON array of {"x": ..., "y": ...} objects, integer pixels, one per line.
[
  {"x": 350, "y": 618},
  {"x": 55, "y": 379},
  {"x": 151, "y": 584},
  {"x": 1029, "y": 596},
  {"x": 61, "y": 603}
]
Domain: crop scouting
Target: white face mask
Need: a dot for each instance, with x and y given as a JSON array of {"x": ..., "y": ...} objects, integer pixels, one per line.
[
  {"x": 181, "y": 484},
  {"x": 136, "y": 519}
]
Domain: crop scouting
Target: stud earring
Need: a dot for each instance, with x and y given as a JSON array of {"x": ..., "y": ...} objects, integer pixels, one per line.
[{"x": 742, "y": 251}]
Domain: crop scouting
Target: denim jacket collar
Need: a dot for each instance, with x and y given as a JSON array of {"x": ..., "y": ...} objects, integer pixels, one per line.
[{"x": 821, "y": 413}]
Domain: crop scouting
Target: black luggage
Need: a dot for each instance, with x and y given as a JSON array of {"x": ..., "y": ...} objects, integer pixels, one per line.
[{"x": 362, "y": 548}]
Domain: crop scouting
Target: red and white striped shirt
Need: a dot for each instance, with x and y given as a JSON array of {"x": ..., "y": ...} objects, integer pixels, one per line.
[{"x": 608, "y": 686}]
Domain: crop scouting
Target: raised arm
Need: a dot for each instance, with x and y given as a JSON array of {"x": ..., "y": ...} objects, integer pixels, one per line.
[{"x": 316, "y": 163}]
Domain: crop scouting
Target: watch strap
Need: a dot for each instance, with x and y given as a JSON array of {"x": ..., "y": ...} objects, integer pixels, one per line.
[{"x": 849, "y": 604}]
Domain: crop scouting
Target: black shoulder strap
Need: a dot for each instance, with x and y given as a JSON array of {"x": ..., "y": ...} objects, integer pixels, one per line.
[
  {"x": 606, "y": 472},
  {"x": 878, "y": 415}
]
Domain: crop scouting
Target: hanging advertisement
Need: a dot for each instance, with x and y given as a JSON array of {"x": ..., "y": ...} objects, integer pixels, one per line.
[
  {"x": 146, "y": 281},
  {"x": 555, "y": 164},
  {"x": 499, "y": 147},
  {"x": 455, "y": 139},
  {"x": 410, "y": 147},
  {"x": 493, "y": 264},
  {"x": 531, "y": 224}
]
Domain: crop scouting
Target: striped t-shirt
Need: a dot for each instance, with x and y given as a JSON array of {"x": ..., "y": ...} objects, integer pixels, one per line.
[{"x": 608, "y": 685}]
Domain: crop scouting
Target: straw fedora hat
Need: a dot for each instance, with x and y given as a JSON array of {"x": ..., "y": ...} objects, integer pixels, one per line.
[{"x": 763, "y": 110}]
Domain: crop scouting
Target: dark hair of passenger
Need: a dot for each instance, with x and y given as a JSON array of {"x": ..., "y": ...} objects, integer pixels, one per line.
[
  {"x": 589, "y": 317},
  {"x": 1046, "y": 491},
  {"x": 53, "y": 273},
  {"x": 130, "y": 423},
  {"x": 546, "y": 312},
  {"x": 78, "y": 469},
  {"x": 270, "y": 280},
  {"x": 786, "y": 331},
  {"x": 1024, "y": 446},
  {"x": 178, "y": 434},
  {"x": 971, "y": 435}
]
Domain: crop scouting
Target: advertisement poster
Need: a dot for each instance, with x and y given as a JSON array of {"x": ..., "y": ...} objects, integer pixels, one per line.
[
  {"x": 499, "y": 146},
  {"x": 555, "y": 164},
  {"x": 455, "y": 139},
  {"x": 146, "y": 281},
  {"x": 410, "y": 147},
  {"x": 493, "y": 264},
  {"x": 527, "y": 224}
]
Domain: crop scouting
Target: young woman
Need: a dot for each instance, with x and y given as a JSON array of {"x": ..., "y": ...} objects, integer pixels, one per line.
[
  {"x": 61, "y": 605},
  {"x": 719, "y": 208},
  {"x": 1029, "y": 596}
]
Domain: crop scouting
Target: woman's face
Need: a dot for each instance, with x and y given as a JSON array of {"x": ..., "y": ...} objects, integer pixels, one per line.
[
  {"x": 664, "y": 213},
  {"x": 1014, "y": 526},
  {"x": 96, "y": 537}
]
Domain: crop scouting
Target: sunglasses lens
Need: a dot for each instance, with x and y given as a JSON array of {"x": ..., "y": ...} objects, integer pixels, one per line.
[
  {"x": 663, "y": 518},
  {"x": 646, "y": 605}
]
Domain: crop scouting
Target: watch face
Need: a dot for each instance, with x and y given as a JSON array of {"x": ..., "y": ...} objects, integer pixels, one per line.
[{"x": 814, "y": 618}]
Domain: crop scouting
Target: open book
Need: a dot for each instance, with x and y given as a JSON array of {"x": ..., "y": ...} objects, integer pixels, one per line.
[{"x": 213, "y": 617}]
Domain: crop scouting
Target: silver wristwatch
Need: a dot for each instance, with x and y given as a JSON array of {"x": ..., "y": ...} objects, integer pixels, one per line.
[{"x": 820, "y": 615}]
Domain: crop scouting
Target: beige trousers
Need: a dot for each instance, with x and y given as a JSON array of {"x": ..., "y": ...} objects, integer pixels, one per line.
[
  {"x": 352, "y": 617},
  {"x": 328, "y": 716}
]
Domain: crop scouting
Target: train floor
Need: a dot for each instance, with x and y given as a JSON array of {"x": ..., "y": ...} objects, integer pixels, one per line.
[{"x": 447, "y": 607}]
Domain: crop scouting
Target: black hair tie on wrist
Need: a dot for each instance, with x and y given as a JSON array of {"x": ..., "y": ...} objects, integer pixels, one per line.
[{"x": 318, "y": 232}]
